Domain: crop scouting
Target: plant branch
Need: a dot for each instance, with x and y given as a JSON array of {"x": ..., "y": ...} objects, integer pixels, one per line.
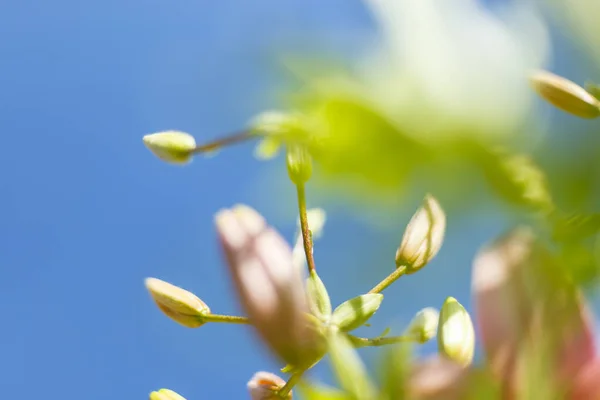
[
  {"x": 224, "y": 141},
  {"x": 306, "y": 234},
  {"x": 380, "y": 341},
  {"x": 229, "y": 319},
  {"x": 391, "y": 278},
  {"x": 287, "y": 388}
]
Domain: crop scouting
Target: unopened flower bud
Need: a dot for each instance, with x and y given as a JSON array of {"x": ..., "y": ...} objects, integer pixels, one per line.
[
  {"x": 165, "y": 394},
  {"x": 566, "y": 95},
  {"x": 423, "y": 236},
  {"x": 356, "y": 312},
  {"x": 424, "y": 325},
  {"x": 456, "y": 335},
  {"x": 171, "y": 146},
  {"x": 265, "y": 385},
  {"x": 299, "y": 164},
  {"x": 269, "y": 288},
  {"x": 178, "y": 304}
]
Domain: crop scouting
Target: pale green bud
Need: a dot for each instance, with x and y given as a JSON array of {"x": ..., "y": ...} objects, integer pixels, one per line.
[
  {"x": 171, "y": 146},
  {"x": 424, "y": 325},
  {"x": 456, "y": 335},
  {"x": 423, "y": 236},
  {"x": 178, "y": 304},
  {"x": 265, "y": 385},
  {"x": 299, "y": 164},
  {"x": 356, "y": 312},
  {"x": 565, "y": 94},
  {"x": 165, "y": 394}
]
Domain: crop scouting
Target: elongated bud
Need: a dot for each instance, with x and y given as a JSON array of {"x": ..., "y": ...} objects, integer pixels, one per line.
[
  {"x": 566, "y": 95},
  {"x": 424, "y": 325},
  {"x": 265, "y": 385},
  {"x": 356, "y": 312},
  {"x": 269, "y": 288},
  {"x": 299, "y": 164},
  {"x": 171, "y": 146},
  {"x": 178, "y": 304},
  {"x": 423, "y": 236},
  {"x": 165, "y": 394},
  {"x": 456, "y": 335}
]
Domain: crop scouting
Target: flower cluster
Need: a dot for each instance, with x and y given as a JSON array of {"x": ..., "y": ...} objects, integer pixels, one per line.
[
  {"x": 528, "y": 310},
  {"x": 534, "y": 326}
]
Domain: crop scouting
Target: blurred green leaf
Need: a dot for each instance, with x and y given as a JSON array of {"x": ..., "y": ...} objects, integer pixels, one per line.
[{"x": 349, "y": 368}]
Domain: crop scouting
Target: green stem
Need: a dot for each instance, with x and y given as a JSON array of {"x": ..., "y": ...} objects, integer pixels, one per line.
[
  {"x": 306, "y": 234},
  {"x": 287, "y": 388},
  {"x": 381, "y": 341},
  {"x": 224, "y": 141},
  {"x": 228, "y": 319},
  {"x": 391, "y": 278}
]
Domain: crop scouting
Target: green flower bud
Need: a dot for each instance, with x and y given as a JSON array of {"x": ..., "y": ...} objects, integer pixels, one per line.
[
  {"x": 178, "y": 304},
  {"x": 165, "y": 394},
  {"x": 318, "y": 298},
  {"x": 423, "y": 236},
  {"x": 356, "y": 312},
  {"x": 264, "y": 386},
  {"x": 299, "y": 164},
  {"x": 171, "y": 146},
  {"x": 456, "y": 335},
  {"x": 566, "y": 95},
  {"x": 424, "y": 325}
]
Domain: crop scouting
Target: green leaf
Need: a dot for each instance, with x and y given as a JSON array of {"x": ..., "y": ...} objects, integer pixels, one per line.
[
  {"x": 356, "y": 312},
  {"x": 349, "y": 368},
  {"x": 394, "y": 371},
  {"x": 319, "y": 302}
]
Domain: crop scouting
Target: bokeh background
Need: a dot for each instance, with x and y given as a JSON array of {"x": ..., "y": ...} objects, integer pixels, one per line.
[{"x": 87, "y": 212}]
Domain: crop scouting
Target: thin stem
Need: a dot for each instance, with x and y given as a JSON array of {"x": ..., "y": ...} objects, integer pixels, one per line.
[
  {"x": 287, "y": 388},
  {"x": 224, "y": 141},
  {"x": 228, "y": 319},
  {"x": 380, "y": 341},
  {"x": 391, "y": 278},
  {"x": 306, "y": 234}
]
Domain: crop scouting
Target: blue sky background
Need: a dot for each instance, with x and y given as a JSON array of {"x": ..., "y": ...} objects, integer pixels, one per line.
[{"x": 87, "y": 212}]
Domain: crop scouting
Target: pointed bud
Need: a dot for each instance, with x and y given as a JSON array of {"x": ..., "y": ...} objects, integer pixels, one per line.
[
  {"x": 356, "y": 312},
  {"x": 423, "y": 236},
  {"x": 456, "y": 335},
  {"x": 171, "y": 146},
  {"x": 178, "y": 304},
  {"x": 270, "y": 289},
  {"x": 566, "y": 95},
  {"x": 424, "y": 325},
  {"x": 165, "y": 394},
  {"x": 299, "y": 164},
  {"x": 264, "y": 386}
]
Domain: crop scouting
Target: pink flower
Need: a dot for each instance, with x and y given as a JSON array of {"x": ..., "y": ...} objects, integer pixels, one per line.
[{"x": 527, "y": 314}]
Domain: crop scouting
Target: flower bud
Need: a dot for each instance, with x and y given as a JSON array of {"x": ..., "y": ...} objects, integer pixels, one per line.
[
  {"x": 424, "y": 325},
  {"x": 299, "y": 164},
  {"x": 565, "y": 94},
  {"x": 165, "y": 394},
  {"x": 456, "y": 335},
  {"x": 423, "y": 236},
  {"x": 269, "y": 288},
  {"x": 178, "y": 304},
  {"x": 171, "y": 146},
  {"x": 356, "y": 312},
  {"x": 264, "y": 386}
]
